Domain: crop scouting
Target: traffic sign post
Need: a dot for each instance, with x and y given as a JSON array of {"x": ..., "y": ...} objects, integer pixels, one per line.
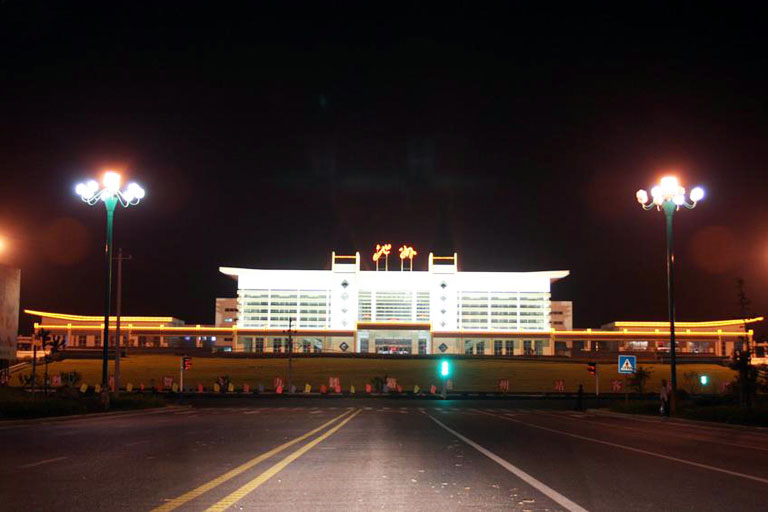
[{"x": 627, "y": 364}]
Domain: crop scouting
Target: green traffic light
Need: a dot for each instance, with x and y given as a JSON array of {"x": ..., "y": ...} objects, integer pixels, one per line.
[
  {"x": 703, "y": 379},
  {"x": 445, "y": 368}
]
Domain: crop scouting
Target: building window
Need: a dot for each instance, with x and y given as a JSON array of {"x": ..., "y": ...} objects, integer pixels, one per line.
[
  {"x": 480, "y": 348},
  {"x": 277, "y": 345},
  {"x": 305, "y": 346},
  {"x": 259, "y": 345},
  {"x": 364, "y": 345},
  {"x": 82, "y": 341},
  {"x": 422, "y": 347},
  {"x": 527, "y": 350},
  {"x": 510, "y": 347},
  {"x": 97, "y": 340},
  {"x": 497, "y": 347},
  {"x": 468, "y": 347}
]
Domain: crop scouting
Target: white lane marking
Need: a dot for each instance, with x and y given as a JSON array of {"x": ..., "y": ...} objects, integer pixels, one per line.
[
  {"x": 638, "y": 450},
  {"x": 522, "y": 475},
  {"x": 251, "y": 412},
  {"x": 135, "y": 443},
  {"x": 679, "y": 435},
  {"x": 40, "y": 463},
  {"x": 315, "y": 412}
]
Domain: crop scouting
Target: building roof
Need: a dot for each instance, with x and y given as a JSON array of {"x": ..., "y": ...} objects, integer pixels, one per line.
[
  {"x": 739, "y": 322},
  {"x": 90, "y": 318}
]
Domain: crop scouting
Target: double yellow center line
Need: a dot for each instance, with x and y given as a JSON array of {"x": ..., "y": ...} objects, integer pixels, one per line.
[{"x": 263, "y": 477}]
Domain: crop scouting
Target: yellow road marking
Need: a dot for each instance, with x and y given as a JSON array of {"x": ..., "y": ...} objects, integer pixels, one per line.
[
  {"x": 194, "y": 493},
  {"x": 239, "y": 494}
]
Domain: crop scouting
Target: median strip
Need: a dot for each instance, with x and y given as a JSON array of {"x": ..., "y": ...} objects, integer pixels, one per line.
[
  {"x": 198, "y": 491},
  {"x": 246, "y": 489}
]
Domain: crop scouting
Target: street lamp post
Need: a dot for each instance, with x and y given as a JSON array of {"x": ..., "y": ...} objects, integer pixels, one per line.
[
  {"x": 669, "y": 196},
  {"x": 110, "y": 195}
]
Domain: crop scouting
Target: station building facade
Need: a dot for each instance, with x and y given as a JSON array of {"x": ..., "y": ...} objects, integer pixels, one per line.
[{"x": 436, "y": 311}]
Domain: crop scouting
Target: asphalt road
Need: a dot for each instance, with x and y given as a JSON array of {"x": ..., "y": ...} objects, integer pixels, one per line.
[{"x": 380, "y": 454}]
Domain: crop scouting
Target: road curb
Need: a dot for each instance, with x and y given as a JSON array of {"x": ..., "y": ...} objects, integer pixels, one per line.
[
  {"x": 71, "y": 417},
  {"x": 735, "y": 426}
]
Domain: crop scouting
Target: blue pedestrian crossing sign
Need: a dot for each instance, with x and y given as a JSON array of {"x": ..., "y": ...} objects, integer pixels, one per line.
[{"x": 627, "y": 364}]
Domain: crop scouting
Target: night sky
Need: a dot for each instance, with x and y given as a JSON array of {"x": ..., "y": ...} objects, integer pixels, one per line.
[{"x": 267, "y": 138}]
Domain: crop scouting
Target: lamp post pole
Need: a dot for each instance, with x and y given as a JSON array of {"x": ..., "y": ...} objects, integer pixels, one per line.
[
  {"x": 110, "y": 204},
  {"x": 91, "y": 193},
  {"x": 669, "y": 196},
  {"x": 669, "y": 211}
]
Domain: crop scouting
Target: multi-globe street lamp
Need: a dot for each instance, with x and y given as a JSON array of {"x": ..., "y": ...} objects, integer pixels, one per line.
[
  {"x": 110, "y": 195},
  {"x": 668, "y": 196}
]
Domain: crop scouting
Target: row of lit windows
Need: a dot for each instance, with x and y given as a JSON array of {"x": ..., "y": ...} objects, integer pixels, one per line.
[{"x": 275, "y": 308}]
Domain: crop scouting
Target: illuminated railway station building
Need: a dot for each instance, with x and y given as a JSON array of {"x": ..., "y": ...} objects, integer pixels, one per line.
[
  {"x": 400, "y": 310},
  {"x": 396, "y": 309}
]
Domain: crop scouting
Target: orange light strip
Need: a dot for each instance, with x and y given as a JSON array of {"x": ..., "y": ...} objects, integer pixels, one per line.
[
  {"x": 587, "y": 334},
  {"x": 426, "y": 326},
  {"x": 714, "y": 323},
  {"x": 195, "y": 330},
  {"x": 86, "y": 318},
  {"x": 583, "y": 334},
  {"x": 345, "y": 257}
]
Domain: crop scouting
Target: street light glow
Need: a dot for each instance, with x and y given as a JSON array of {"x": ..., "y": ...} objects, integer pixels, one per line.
[
  {"x": 669, "y": 191},
  {"x": 697, "y": 194},
  {"x": 90, "y": 193},
  {"x": 111, "y": 181}
]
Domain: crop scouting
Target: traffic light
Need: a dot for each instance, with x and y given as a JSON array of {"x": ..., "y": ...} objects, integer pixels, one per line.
[
  {"x": 704, "y": 380},
  {"x": 592, "y": 368},
  {"x": 186, "y": 363},
  {"x": 445, "y": 368}
]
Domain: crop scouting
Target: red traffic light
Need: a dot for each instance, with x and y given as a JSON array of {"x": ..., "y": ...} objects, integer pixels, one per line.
[
  {"x": 592, "y": 368},
  {"x": 187, "y": 362}
]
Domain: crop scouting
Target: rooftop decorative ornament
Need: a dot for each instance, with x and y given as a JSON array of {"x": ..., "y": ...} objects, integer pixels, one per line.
[
  {"x": 669, "y": 196},
  {"x": 407, "y": 253},
  {"x": 110, "y": 195},
  {"x": 382, "y": 250}
]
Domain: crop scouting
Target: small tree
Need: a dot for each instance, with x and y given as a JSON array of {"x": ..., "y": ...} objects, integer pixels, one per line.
[
  {"x": 639, "y": 378},
  {"x": 51, "y": 347},
  {"x": 741, "y": 359}
]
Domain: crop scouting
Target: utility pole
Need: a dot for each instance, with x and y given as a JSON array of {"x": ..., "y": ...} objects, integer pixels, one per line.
[{"x": 119, "y": 259}]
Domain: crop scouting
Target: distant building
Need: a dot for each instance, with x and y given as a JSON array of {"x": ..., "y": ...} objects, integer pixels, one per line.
[
  {"x": 10, "y": 286},
  {"x": 226, "y": 316},
  {"x": 561, "y": 315},
  {"x": 83, "y": 331}
]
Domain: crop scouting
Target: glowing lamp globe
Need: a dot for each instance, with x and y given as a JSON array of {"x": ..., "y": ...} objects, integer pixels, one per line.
[{"x": 697, "y": 194}]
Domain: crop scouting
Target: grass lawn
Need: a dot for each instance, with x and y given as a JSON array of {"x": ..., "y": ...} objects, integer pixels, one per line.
[{"x": 467, "y": 374}]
